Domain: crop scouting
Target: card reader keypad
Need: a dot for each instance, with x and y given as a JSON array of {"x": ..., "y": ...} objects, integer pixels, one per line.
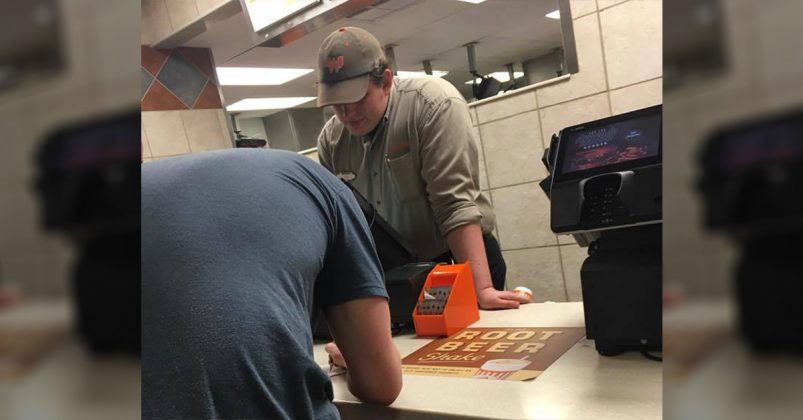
[{"x": 601, "y": 202}]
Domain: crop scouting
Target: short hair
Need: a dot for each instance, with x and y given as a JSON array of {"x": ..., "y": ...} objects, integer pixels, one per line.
[{"x": 377, "y": 75}]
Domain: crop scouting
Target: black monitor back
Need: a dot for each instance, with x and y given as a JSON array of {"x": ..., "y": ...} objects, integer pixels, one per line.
[
  {"x": 392, "y": 249},
  {"x": 403, "y": 284}
]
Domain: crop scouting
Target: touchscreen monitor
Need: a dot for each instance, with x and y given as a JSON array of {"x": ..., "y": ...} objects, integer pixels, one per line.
[{"x": 610, "y": 144}]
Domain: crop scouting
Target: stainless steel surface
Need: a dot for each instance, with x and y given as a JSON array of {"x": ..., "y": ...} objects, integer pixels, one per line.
[{"x": 312, "y": 20}]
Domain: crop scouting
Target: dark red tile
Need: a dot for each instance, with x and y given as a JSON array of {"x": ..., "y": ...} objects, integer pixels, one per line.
[
  {"x": 153, "y": 59},
  {"x": 202, "y": 58},
  {"x": 159, "y": 98},
  {"x": 209, "y": 97}
]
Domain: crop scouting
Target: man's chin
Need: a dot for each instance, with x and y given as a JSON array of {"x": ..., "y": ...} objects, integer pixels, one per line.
[{"x": 357, "y": 131}]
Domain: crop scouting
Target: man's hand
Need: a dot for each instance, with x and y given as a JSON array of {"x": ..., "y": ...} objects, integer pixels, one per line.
[
  {"x": 335, "y": 357},
  {"x": 466, "y": 245},
  {"x": 490, "y": 298},
  {"x": 361, "y": 329}
]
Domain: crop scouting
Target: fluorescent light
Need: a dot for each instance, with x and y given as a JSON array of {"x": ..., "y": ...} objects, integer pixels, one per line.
[
  {"x": 553, "y": 15},
  {"x": 257, "y": 76},
  {"x": 472, "y": 1},
  {"x": 409, "y": 74},
  {"x": 501, "y": 76},
  {"x": 256, "y": 104}
]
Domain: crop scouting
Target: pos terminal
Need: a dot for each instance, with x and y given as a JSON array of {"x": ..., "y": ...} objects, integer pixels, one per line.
[{"x": 605, "y": 189}]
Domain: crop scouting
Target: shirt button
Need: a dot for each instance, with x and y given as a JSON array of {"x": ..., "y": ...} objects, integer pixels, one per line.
[
  {"x": 376, "y": 173},
  {"x": 378, "y": 203}
]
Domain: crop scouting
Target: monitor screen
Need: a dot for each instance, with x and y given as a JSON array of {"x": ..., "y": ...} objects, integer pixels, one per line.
[
  {"x": 616, "y": 143},
  {"x": 758, "y": 147},
  {"x": 610, "y": 143}
]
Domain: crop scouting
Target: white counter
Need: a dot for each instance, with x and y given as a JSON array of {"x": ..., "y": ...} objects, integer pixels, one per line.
[{"x": 581, "y": 384}]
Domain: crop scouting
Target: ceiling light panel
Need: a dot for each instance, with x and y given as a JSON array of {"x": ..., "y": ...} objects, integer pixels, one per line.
[
  {"x": 257, "y": 76},
  {"x": 409, "y": 74},
  {"x": 257, "y": 104}
]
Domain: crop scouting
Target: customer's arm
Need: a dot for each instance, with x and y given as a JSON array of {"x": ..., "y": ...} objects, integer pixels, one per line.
[
  {"x": 361, "y": 329},
  {"x": 466, "y": 244}
]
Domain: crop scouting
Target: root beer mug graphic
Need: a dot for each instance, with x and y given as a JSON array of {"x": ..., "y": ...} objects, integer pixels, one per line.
[{"x": 500, "y": 369}]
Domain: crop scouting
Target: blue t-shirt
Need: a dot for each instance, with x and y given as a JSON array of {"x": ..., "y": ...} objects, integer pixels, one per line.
[{"x": 235, "y": 245}]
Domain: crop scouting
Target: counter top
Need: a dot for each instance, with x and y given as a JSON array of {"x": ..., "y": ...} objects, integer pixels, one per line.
[{"x": 580, "y": 384}]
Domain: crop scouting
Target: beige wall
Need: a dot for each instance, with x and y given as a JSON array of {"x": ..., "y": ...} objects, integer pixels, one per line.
[
  {"x": 174, "y": 133},
  {"x": 619, "y": 53}
]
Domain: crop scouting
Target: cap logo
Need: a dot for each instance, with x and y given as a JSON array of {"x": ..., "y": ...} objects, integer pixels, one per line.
[{"x": 334, "y": 64}]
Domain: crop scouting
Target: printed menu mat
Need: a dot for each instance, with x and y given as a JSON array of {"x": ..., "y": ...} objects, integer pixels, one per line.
[
  {"x": 21, "y": 349},
  {"x": 511, "y": 354}
]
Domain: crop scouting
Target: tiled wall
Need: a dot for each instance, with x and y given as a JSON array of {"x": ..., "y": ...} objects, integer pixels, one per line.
[
  {"x": 173, "y": 133},
  {"x": 183, "y": 78},
  {"x": 181, "y": 104},
  {"x": 619, "y": 54}
]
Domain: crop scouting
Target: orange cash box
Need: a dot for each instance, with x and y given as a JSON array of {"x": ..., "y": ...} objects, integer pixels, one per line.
[{"x": 447, "y": 302}]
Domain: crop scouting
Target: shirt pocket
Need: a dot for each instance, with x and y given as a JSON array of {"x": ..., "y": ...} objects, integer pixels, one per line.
[{"x": 405, "y": 178}]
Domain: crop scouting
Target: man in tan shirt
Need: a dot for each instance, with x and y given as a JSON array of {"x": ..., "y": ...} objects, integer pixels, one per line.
[{"x": 408, "y": 146}]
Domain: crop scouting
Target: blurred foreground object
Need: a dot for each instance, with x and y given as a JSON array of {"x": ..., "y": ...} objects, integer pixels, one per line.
[
  {"x": 710, "y": 374},
  {"x": 712, "y": 244},
  {"x": 88, "y": 181},
  {"x": 8, "y": 298},
  {"x": 45, "y": 373},
  {"x": 693, "y": 51},
  {"x": 39, "y": 52},
  {"x": 30, "y": 331},
  {"x": 752, "y": 188}
]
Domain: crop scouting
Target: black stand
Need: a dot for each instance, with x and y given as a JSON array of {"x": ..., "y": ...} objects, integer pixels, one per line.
[{"x": 621, "y": 282}]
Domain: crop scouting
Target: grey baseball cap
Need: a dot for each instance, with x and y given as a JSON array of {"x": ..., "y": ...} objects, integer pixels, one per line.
[{"x": 345, "y": 59}]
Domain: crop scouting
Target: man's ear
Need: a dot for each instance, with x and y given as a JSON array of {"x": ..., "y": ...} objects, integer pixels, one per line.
[{"x": 388, "y": 75}]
